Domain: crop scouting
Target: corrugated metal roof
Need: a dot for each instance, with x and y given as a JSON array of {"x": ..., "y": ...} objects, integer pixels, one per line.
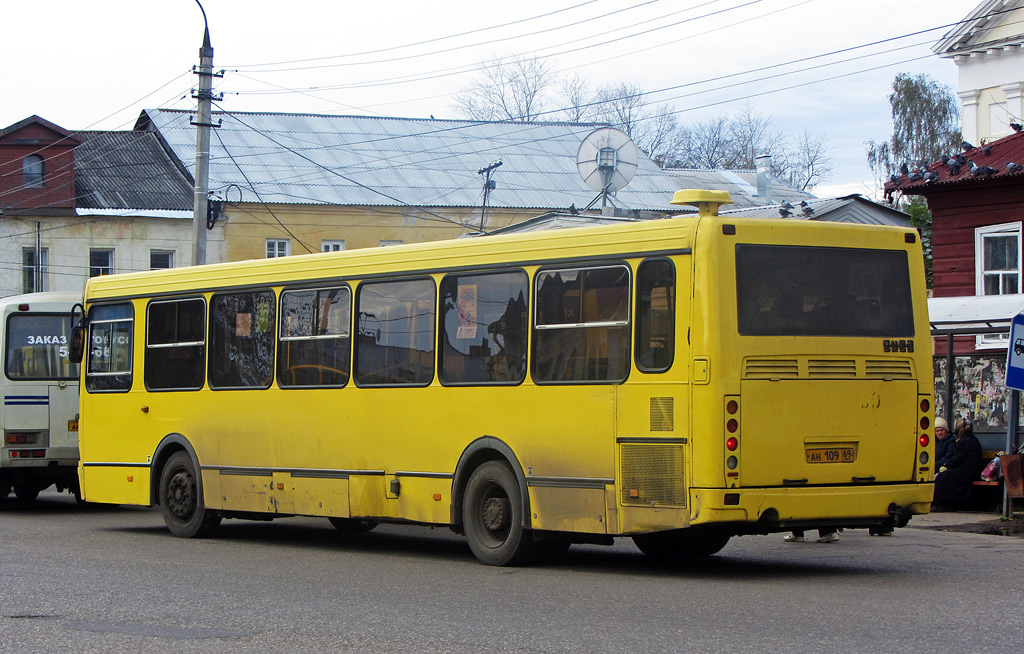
[
  {"x": 847, "y": 209},
  {"x": 128, "y": 170},
  {"x": 741, "y": 185},
  {"x": 362, "y": 160},
  {"x": 999, "y": 153}
]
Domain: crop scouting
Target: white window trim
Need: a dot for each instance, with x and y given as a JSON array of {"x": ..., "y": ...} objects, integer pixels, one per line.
[
  {"x": 277, "y": 241},
  {"x": 327, "y": 245},
  {"x": 994, "y": 341}
]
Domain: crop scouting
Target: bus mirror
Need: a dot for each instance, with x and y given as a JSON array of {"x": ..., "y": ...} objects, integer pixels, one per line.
[{"x": 77, "y": 344}]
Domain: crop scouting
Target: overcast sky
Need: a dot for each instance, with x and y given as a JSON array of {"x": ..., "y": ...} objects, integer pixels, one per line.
[{"x": 97, "y": 64}]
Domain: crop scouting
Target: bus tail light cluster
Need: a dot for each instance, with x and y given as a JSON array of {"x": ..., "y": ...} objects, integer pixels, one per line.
[
  {"x": 732, "y": 441},
  {"x": 28, "y": 454},
  {"x": 924, "y": 421}
]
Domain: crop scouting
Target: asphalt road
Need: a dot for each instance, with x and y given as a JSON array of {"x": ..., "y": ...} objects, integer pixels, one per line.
[{"x": 113, "y": 579}]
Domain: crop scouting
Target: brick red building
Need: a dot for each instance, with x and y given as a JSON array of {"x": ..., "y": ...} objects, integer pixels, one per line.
[
  {"x": 37, "y": 166},
  {"x": 976, "y": 254}
]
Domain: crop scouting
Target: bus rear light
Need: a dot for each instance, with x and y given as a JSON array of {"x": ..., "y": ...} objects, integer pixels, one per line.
[
  {"x": 731, "y": 464},
  {"x": 634, "y": 493},
  {"x": 923, "y": 458},
  {"x": 732, "y": 444},
  {"x": 732, "y": 499},
  {"x": 732, "y": 425},
  {"x": 925, "y": 422},
  {"x": 22, "y": 307},
  {"x": 732, "y": 407},
  {"x": 28, "y": 454},
  {"x": 17, "y": 438},
  {"x": 923, "y": 440},
  {"x": 925, "y": 405}
]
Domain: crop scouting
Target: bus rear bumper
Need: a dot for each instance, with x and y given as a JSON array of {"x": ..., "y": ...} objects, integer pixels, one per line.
[{"x": 778, "y": 509}]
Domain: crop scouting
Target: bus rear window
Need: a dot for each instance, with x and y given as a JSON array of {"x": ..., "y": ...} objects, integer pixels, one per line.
[
  {"x": 37, "y": 347},
  {"x": 784, "y": 290}
]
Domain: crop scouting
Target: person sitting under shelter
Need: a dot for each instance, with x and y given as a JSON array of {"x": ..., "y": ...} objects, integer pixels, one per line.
[{"x": 953, "y": 480}]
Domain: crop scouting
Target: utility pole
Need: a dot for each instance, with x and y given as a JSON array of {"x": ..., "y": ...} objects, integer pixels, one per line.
[
  {"x": 203, "y": 123},
  {"x": 488, "y": 187}
]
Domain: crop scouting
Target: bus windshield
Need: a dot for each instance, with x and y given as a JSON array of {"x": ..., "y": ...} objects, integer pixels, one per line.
[
  {"x": 37, "y": 347},
  {"x": 784, "y": 290}
]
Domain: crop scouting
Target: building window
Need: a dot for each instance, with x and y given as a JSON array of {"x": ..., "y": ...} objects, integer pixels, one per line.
[
  {"x": 160, "y": 259},
  {"x": 31, "y": 282},
  {"x": 32, "y": 171},
  {"x": 101, "y": 262},
  {"x": 278, "y": 247},
  {"x": 998, "y": 256},
  {"x": 332, "y": 246},
  {"x": 387, "y": 242}
]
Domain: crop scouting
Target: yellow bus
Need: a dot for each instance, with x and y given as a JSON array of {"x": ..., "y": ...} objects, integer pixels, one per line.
[{"x": 677, "y": 381}]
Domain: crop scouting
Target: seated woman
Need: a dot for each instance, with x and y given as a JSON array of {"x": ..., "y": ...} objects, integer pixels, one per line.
[
  {"x": 953, "y": 481},
  {"x": 944, "y": 445}
]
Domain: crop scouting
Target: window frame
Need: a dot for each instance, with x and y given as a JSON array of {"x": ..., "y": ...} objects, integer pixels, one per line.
[
  {"x": 27, "y": 268},
  {"x": 129, "y": 371},
  {"x": 278, "y": 243},
  {"x": 326, "y": 245},
  {"x": 211, "y": 333},
  {"x": 33, "y": 171},
  {"x": 282, "y": 339},
  {"x": 201, "y": 344},
  {"x": 109, "y": 266},
  {"x": 995, "y": 341},
  {"x": 627, "y": 323},
  {"x": 356, "y": 306},
  {"x": 170, "y": 259},
  {"x": 673, "y": 316},
  {"x": 439, "y": 349}
]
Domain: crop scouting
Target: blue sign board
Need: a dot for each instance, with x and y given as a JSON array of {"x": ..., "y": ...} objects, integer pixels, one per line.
[{"x": 1015, "y": 355}]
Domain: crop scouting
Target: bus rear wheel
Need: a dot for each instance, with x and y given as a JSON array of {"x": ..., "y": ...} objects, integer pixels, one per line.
[
  {"x": 492, "y": 517},
  {"x": 180, "y": 502},
  {"x": 681, "y": 544},
  {"x": 25, "y": 492}
]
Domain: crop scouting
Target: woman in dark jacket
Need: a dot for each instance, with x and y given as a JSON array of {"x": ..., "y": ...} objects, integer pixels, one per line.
[
  {"x": 944, "y": 445},
  {"x": 953, "y": 483}
]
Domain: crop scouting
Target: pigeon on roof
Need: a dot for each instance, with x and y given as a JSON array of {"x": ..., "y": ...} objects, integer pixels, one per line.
[
  {"x": 1014, "y": 167},
  {"x": 904, "y": 169},
  {"x": 784, "y": 212},
  {"x": 987, "y": 150},
  {"x": 786, "y": 205},
  {"x": 808, "y": 209},
  {"x": 966, "y": 146},
  {"x": 977, "y": 170},
  {"x": 1016, "y": 127}
]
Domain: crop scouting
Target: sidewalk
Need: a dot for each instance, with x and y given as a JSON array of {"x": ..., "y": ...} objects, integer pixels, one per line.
[{"x": 989, "y": 522}]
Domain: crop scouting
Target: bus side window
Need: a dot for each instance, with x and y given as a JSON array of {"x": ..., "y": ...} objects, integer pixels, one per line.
[
  {"x": 395, "y": 338},
  {"x": 581, "y": 331},
  {"x": 175, "y": 344},
  {"x": 242, "y": 339},
  {"x": 655, "y": 315},
  {"x": 484, "y": 322},
  {"x": 109, "y": 366},
  {"x": 314, "y": 337}
]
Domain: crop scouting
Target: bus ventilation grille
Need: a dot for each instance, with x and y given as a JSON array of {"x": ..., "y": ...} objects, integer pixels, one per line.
[
  {"x": 653, "y": 475},
  {"x": 888, "y": 369},
  {"x": 832, "y": 369},
  {"x": 772, "y": 369},
  {"x": 663, "y": 414}
]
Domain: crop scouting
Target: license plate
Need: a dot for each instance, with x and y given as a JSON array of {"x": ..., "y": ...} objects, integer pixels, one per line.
[{"x": 831, "y": 454}]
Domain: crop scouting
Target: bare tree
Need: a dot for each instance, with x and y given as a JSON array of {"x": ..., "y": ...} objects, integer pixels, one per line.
[
  {"x": 576, "y": 107},
  {"x": 810, "y": 164},
  {"x": 752, "y": 134},
  {"x": 508, "y": 88}
]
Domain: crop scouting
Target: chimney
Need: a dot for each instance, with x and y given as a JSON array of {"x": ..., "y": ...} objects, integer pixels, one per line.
[{"x": 764, "y": 180}]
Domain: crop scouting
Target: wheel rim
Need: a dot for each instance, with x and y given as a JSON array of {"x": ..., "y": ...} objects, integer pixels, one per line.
[
  {"x": 495, "y": 515},
  {"x": 181, "y": 495}
]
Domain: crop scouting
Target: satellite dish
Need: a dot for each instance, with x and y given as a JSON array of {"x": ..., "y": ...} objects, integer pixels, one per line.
[{"x": 607, "y": 160}]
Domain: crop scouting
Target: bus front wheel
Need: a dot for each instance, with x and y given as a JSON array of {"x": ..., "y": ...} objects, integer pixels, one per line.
[
  {"x": 681, "y": 543},
  {"x": 492, "y": 517},
  {"x": 180, "y": 502}
]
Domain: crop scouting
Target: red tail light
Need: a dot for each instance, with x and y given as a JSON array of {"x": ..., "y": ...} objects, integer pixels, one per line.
[
  {"x": 732, "y": 444},
  {"x": 923, "y": 440}
]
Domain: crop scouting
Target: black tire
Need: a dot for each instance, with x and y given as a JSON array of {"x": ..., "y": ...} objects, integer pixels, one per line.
[
  {"x": 26, "y": 493},
  {"x": 681, "y": 544},
  {"x": 353, "y": 525},
  {"x": 5, "y": 485},
  {"x": 492, "y": 517},
  {"x": 180, "y": 501}
]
